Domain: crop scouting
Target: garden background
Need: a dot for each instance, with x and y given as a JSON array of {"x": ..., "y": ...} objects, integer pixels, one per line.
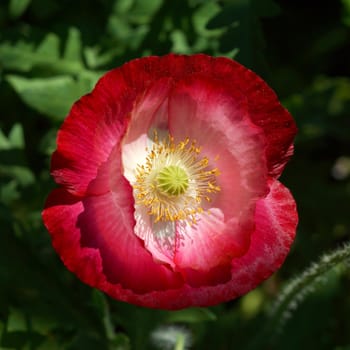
[{"x": 53, "y": 51}]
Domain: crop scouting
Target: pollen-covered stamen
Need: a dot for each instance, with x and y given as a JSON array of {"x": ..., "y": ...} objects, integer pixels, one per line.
[{"x": 174, "y": 180}]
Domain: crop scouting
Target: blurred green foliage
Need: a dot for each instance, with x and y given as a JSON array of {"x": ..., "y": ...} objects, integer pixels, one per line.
[{"x": 53, "y": 51}]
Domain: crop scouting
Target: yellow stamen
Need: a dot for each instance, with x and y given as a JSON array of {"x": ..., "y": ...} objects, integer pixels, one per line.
[{"x": 174, "y": 180}]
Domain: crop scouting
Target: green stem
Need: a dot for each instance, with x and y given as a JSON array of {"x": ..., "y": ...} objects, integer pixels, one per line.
[{"x": 295, "y": 292}]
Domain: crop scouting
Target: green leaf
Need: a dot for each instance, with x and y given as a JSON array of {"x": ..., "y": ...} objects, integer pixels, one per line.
[
  {"x": 16, "y": 321},
  {"x": 13, "y": 167},
  {"x": 21, "y": 174},
  {"x": 52, "y": 96},
  {"x": 18, "y": 7},
  {"x": 15, "y": 138},
  {"x": 203, "y": 15},
  {"x": 123, "y": 6},
  {"x": 143, "y": 10},
  {"x": 4, "y": 142},
  {"x": 9, "y": 192},
  {"x": 73, "y": 47},
  {"x": 95, "y": 59},
  {"x": 346, "y": 12},
  {"x": 23, "y": 57},
  {"x": 191, "y": 315},
  {"x": 120, "y": 342},
  {"x": 49, "y": 47},
  {"x": 19, "y": 56},
  {"x": 48, "y": 142}
]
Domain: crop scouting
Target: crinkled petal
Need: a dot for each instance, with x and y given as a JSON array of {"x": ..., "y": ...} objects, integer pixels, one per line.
[
  {"x": 276, "y": 219},
  {"x": 264, "y": 108},
  {"x": 159, "y": 238},
  {"x": 219, "y": 124},
  {"x": 149, "y": 114},
  {"x": 201, "y": 110},
  {"x": 265, "y": 111},
  {"x": 208, "y": 243},
  {"x": 91, "y": 219},
  {"x": 86, "y": 139},
  {"x": 276, "y": 223},
  {"x": 99, "y": 119},
  {"x": 102, "y": 228}
]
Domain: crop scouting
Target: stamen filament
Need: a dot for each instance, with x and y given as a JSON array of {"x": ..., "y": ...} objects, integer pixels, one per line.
[{"x": 174, "y": 180}]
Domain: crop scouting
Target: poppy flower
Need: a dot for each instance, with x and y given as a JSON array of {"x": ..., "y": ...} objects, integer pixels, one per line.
[{"x": 169, "y": 194}]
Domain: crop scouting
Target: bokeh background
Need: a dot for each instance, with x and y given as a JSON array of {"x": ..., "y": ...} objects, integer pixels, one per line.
[{"x": 53, "y": 51}]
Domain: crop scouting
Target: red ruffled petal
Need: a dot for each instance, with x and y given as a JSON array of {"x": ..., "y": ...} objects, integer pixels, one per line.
[
  {"x": 100, "y": 228},
  {"x": 99, "y": 119},
  {"x": 201, "y": 110},
  {"x": 276, "y": 219},
  {"x": 88, "y": 136},
  {"x": 264, "y": 108},
  {"x": 276, "y": 223},
  {"x": 230, "y": 112}
]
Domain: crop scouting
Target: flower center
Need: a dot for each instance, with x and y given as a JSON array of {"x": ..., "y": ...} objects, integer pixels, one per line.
[{"x": 174, "y": 180}]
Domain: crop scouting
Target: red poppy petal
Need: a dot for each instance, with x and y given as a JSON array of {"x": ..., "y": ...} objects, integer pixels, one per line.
[
  {"x": 98, "y": 120},
  {"x": 90, "y": 132},
  {"x": 276, "y": 219},
  {"x": 101, "y": 227},
  {"x": 203, "y": 111},
  {"x": 220, "y": 274},
  {"x": 216, "y": 240},
  {"x": 252, "y": 132},
  {"x": 264, "y": 109}
]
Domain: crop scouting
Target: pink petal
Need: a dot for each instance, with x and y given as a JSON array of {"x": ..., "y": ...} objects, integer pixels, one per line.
[
  {"x": 218, "y": 123},
  {"x": 229, "y": 111},
  {"x": 201, "y": 110},
  {"x": 263, "y": 106},
  {"x": 264, "y": 110},
  {"x": 159, "y": 238},
  {"x": 102, "y": 227},
  {"x": 149, "y": 113},
  {"x": 276, "y": 219},
  {"x": 210, "y": 242}
]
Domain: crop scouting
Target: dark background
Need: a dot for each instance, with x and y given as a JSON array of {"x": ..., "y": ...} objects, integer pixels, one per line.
[{"x": 53, "y": 51}]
